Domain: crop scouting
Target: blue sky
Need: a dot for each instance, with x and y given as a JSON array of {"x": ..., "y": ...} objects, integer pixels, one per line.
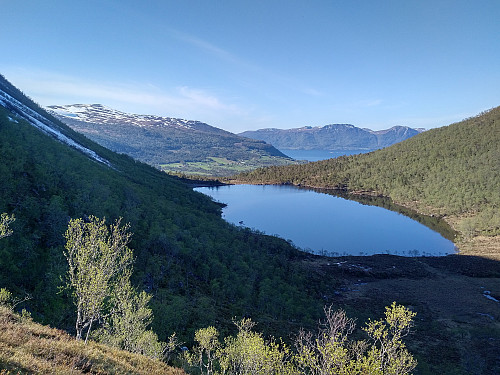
[{"x": 242, "y": 65}]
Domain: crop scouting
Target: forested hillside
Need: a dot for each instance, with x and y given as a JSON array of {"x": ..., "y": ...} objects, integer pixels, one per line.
[
  {"x": 452, "y": 171},
  {"x": 199, "y": 268}
]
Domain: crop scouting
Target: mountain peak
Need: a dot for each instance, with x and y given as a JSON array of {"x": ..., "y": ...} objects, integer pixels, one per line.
[{"x": 337, "y": 126}]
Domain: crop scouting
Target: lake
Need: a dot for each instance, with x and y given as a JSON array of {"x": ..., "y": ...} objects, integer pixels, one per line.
[
  {"x": 326, "y": 224},
  {"x": 315, "y": 155}
]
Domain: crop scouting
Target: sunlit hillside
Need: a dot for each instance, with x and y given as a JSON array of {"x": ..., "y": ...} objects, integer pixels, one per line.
[{"x": 30, "y": 348}]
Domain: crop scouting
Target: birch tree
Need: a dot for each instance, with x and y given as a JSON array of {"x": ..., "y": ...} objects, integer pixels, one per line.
[
  {"x": 332, "y": 352},
  {"x": 5, "y": 221},
  {"x": 327, "y": 352},
  {"x": 204, "y": 354},
  {"x": 249, "y": 354},
  {"x": 127, "y": 325},
  {"x": 99, "y": 260},
  {"x": 5, "y": 231}
]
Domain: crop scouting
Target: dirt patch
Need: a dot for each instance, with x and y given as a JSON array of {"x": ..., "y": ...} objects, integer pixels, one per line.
[{"x": 487, "y": 247}]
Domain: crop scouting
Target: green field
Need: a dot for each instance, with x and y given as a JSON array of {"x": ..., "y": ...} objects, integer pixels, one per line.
[{"x": 218, "y": 166}]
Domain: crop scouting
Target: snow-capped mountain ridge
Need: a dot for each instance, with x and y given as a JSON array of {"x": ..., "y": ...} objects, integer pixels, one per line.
[
  {"x": 168, "y": 143},
  {"x": 98, "y": 113}
]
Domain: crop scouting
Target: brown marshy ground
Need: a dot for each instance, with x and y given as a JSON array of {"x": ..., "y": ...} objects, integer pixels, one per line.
[{"x": 456, "y": 297}]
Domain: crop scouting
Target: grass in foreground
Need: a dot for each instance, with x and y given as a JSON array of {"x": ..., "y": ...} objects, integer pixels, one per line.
[{"x": 30, "y": 348}]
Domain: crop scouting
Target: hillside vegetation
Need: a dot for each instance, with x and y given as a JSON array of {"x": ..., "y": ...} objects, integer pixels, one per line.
[
  {"x": 453, "y": 171},
  {"x": 198, "y": 267},
  {"x": 204, "y": 272}
]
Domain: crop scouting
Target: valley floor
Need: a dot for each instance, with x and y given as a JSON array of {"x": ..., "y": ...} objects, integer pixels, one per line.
[{"x": 457, "y": 300}]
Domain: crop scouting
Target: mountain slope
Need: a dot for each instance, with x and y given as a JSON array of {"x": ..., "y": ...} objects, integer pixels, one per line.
[
  {"x": 172, "y": 144},
  {"x": 449, "y": 171},
  {"x": 332, "y": 137},
  {"x": 198, "y": 267}
]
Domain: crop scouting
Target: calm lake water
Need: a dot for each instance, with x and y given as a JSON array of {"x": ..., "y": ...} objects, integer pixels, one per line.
[
  {"x": 326, "y": 224},
  {"x": 315, "y": 155}
]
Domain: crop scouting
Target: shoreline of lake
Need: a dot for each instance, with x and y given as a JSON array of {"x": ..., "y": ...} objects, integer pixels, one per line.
[
  {"x": 352, "y": 194},
  {"x": 384, "y": 234}
]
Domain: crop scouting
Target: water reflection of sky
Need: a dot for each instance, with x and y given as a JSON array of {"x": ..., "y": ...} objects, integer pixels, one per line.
[{"x": 327, "y": 223}]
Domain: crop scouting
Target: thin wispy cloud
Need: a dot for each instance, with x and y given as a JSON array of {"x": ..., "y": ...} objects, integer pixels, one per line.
[
  {"x": 312, "y": 92},
  {"x": 52, "y": 88},
  {"x": 201, "y": 97},
  {"x": 207, "y": 46},
  {"x": 247, "y": 68}
]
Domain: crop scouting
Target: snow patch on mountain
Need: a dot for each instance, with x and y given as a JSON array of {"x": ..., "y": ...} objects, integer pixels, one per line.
[
  {"x": 100, "y": 114},
  {"x": 45, "y": 125}
]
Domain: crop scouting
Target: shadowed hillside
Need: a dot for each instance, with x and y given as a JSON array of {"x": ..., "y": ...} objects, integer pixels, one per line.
[{"x": 198, "y": 267}]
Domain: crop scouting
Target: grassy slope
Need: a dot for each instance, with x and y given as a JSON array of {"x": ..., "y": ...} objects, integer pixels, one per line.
[
  {"x": 221, "y": 166},
  {"x": 452, "y": 171},
  {"x": 30, "y": 348}
]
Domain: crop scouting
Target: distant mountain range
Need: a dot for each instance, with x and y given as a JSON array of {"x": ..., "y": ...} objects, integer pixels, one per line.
[
  {"x": 171, "y": 144},
  {"x": 332, "y": 137}
]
